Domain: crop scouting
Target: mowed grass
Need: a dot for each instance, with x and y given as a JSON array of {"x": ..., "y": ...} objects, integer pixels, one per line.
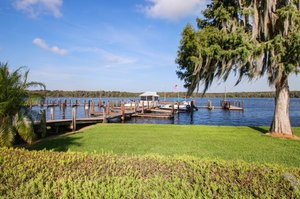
[{"x": 212, "y": 142}]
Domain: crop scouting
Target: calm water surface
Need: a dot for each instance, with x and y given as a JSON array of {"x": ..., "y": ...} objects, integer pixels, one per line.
[{"x": 258, "y": 112}]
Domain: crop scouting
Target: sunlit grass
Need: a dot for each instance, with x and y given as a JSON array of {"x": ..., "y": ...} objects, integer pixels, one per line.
[{"x": 222, "y": 142}]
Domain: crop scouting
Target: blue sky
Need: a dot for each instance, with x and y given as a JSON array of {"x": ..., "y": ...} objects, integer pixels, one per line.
[{"x": 123, "y": 45}]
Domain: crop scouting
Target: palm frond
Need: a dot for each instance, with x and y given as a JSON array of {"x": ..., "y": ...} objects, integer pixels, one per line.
[
  {"x": 7, "y": 133},
  {"x": 35, "y": 84},
  {"x": 24, "y": 127}
]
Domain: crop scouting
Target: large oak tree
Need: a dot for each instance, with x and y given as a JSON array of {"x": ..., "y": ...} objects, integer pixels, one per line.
[{"x": 251, "y": 38}]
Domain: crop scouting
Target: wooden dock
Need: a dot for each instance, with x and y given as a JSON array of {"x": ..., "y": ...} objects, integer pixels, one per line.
[
  {"x": 225, "y": 105},
  {"x": 109, "y": 111}
]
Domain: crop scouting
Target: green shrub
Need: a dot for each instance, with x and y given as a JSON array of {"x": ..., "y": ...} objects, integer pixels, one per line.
[{"x": 46, "y": 174}]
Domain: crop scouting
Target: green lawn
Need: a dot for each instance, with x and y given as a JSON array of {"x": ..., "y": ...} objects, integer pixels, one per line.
[{"x": 221, "y": 142}]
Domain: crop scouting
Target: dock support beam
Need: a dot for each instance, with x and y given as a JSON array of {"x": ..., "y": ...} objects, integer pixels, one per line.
[
  {"x": 123, "y": 111},
  {"x": 73, "y": 124},
  {"x": 51, "y": 114}
]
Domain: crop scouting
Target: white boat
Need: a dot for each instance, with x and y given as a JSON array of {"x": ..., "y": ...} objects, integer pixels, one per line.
[
  {"x": 184, "y": 106},
  {"x": 146, "y": 99}
]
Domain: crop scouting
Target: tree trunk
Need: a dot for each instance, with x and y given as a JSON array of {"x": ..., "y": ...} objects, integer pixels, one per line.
[{"x": 281, "y": 121}]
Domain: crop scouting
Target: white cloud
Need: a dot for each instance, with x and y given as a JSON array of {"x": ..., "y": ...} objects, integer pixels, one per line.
[
  {"x": 109, "y": 57},
  {"x": 38, "y": 7},
  {"x": 173, "y": 9},
  {"x": 118, "y": 59},
  {"x": 42, "y": 44}
]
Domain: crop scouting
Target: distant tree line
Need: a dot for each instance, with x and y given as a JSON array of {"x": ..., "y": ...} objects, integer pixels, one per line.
[{"x": 103, "y": 94}]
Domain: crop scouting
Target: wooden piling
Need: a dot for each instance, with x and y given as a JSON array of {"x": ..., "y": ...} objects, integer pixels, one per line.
[
  {"x": 192, "y": 106},
  {"x": 92, "y": 107},
  {"x": 51, "y": 114},
  {"x": 112, "y": 106},
  {"x": 63, "y": 110},
  {"x": 43, "y": 123},
  {"x": 108, "y": 108},
  {"x": 104, "y": 113},
  {"x": 178, "y": 107},
  {"x": 73, "y": 124},
  {"x": 123, "y": 111},
  {"x": 209, "y": 104},
  {"x": 86, "y": 111},
  {"x": 173, "y": 108},
  {"x": 143, "y": 107}
]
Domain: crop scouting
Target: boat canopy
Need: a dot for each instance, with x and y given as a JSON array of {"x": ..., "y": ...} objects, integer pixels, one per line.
[{"x": 149, "y": 96}]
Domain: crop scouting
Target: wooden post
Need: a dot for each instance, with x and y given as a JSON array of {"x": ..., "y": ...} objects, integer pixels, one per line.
[
  {"x": 86, "y": 110},
  {"x": 143, "y": 108},
  {"x": 43, "y": 123},
  {"x": 93, "y": 107},
  {"x": 73, "y": 124},
  {"x": 108, "y": 107},
  {"x": 130, "y": 105},
  {"x": 51, "y": 113},
  {"x": 63, "y": 109},
  {"x": 123, "y": 111},
  {"x": 192, "y": 106},
  {"x": 112, "y": 106},
  {"x": 104, "y": 114},
  {"x": 178, "y": 107},
  {"x": 173, "y": 109},
  {"x": 148, "y": 105}
]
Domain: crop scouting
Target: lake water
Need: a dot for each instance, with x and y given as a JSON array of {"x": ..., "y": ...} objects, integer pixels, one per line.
[{"x": 258, "y": 112}]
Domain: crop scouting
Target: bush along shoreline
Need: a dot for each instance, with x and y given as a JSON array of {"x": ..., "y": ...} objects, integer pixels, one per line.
[{"x": 48, "y": 174}]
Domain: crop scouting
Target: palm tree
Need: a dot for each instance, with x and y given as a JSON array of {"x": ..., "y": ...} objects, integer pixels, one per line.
[{"x": 15, "y": 119}]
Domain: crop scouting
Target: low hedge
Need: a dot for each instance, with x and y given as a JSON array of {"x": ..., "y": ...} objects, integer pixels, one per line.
[{"x": 48, "y": 174}]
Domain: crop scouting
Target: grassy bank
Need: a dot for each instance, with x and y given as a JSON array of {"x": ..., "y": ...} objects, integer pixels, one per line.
[
  {"x": 44, "y": 174},
  {"x": 227, "y": 143}
]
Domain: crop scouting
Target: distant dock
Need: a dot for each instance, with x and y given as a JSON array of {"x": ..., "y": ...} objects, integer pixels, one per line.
[{"x": 225, "y": 105}]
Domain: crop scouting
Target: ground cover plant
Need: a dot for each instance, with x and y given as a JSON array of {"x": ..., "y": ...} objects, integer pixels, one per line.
[
  {"x": 223, "y": 142},
  {"x": 46, "y": 174}
]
